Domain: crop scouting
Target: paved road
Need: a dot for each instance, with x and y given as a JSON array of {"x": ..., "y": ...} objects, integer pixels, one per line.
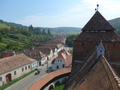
[{"x": 25, "y": 83}]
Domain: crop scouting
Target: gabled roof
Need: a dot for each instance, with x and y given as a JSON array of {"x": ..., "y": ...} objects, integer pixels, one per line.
[
  {"x": 97, "y": 23},
  {"x": 37, "y": 53},
  {"x": 13, "y": 62}
]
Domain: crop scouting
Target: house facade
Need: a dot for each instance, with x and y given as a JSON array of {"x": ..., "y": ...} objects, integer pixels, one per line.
[{"x": 15, "y": 66}]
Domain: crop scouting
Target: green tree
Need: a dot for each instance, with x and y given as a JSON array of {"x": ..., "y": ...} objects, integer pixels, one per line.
[
  {"x": 69, "y": 40},
  {"x": 43, "y": 32},
  {"x": 30, "y": 28},
  {"x": 49, "y": 33},
  {"x": 13, "y": 46}
]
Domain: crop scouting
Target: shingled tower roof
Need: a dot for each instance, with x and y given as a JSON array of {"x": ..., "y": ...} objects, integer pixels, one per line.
[
  {"x": 97, "y": 29},
  {"x": 97, "y": 23}
]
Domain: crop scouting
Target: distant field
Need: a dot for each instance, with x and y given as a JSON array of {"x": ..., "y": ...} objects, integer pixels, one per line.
[{"x": 4, "y": 26}]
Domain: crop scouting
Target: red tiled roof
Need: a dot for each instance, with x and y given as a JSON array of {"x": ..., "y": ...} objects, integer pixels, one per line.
[
  {"x": 6, "y": 54},
  {"x": 12, "y": 62},
  {"x": 98, "y": 36},
  {"x": 39, "y": 84},
  {"x": 68, "y": 60},
  {"x": 97, "y": 22}
]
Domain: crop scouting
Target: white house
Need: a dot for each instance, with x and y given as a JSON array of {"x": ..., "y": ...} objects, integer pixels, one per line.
[
  {"x": 15, "y": 66},
  {"x": 64, "y": 60}
]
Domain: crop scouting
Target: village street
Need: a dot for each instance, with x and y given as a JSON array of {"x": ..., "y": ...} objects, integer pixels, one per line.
[{"x": 25, "y": 83}]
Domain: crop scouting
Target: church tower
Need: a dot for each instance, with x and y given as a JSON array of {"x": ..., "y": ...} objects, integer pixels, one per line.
[{"x": 97, "y": 29}]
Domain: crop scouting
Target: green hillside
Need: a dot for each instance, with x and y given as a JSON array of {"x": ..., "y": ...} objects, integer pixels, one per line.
[
  {"x": 4, "y": 26},
  {"x": 115, "y": 23},
  {"x": 15, "y": 38},
  {"x": 65, "y": 30},
  {"x": 13, "y": 24}
]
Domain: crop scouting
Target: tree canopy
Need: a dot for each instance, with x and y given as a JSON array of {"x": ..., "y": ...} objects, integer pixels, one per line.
[{"x": 69, "y": 40}]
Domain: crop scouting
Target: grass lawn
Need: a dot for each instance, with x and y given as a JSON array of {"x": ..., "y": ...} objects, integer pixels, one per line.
[
  {"x": 14, "y": 81},
  {"x": 60, "y": 87}
]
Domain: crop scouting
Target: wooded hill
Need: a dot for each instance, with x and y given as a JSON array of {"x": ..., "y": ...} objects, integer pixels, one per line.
[
  {"x": 115, "y": 23},
  {"x": 15, "y": 38}
]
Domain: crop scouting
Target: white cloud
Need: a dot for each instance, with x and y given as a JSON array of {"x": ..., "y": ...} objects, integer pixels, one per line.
[{"x": 77, "y": 16}]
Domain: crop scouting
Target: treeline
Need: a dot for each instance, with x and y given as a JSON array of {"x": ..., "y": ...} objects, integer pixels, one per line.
[
  {"x": 69, "y": 40},
  {"x": 17, "y": 39}
]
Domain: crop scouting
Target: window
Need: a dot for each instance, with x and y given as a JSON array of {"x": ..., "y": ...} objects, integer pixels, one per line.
[
  {"x": 0, "y": 78},
  {"x": 63, "y": 65},
  {"x": 22, "y": 69},
  {"x": 26, "y": 68},
  {"x": 29, "y": 66},
  {"x": 57, "y": 67},
  {"x": 14, "y": 72}
]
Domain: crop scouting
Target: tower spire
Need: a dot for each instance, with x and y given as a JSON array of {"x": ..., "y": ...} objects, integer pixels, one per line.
[{"x": 96, "y": 9}]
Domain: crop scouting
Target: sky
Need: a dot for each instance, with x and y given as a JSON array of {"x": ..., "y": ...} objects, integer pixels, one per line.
[{"x": 56, "y": 13}]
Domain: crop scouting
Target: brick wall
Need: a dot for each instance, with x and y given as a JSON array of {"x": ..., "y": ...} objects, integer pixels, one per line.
[{"x": 82, "y": 49}]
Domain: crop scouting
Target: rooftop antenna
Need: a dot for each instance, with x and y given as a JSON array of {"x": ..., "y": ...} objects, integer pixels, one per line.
[{"x": 96, "y": 9}]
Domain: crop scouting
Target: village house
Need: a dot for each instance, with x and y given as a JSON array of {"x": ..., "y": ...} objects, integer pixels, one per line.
[
  {"x": 58, "y": 39},
  {"x": 54, "y": 46},
  {"x": 64, "y": 60},
  {"x": 15, "y": 66},
  {"x": 95, "y": 65},
  {"x": 41, "y": 55},
  {"x": 60, "y": 47}
]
